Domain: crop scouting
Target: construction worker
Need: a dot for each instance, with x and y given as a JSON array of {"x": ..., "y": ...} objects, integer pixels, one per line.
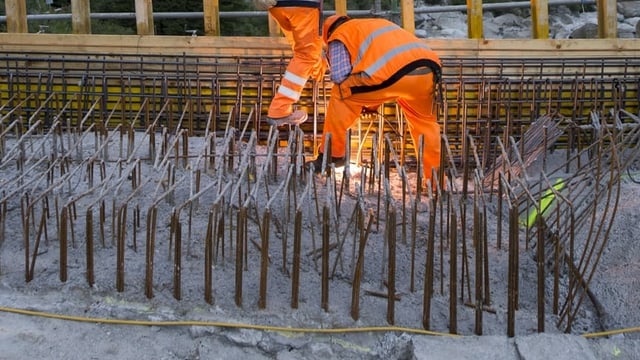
[
  {"x": 299, "y": 20},
  {"x": 373, "y": 61}
]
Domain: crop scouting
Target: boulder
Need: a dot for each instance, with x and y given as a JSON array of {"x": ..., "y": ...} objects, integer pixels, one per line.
[
  {"x": 586, "y": 31},
  {"x": 629, "y": 9}
]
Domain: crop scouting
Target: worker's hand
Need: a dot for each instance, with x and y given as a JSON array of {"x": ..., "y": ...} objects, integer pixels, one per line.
[{"x": 264, "y": 4}]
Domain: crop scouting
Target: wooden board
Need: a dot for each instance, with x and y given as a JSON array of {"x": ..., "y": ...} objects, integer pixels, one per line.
[{"x": 248, "y": 46}]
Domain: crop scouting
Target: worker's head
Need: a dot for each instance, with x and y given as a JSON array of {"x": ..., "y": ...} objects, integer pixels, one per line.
[{"x": 330, "y": 24}]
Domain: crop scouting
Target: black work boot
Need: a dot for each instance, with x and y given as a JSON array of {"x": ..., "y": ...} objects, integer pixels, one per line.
[{"x": 317, "y": 163}]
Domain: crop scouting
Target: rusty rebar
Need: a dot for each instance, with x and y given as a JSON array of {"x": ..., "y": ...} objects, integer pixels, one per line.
[
  {"x": 357, "y": 276},
  {"x": 512, "y": 271},
  {"x": 326, "y": 233},
  {"x": 177, "y": 259},
  {"x": 540, "y": 265},
  {"x": 24, "y": 212},
  {"x": 391, "y": 273},
  {"x": 63, "y": 243},
  {"x": 479, "y": 256},
  {"x": 120, "y": 246},
  {"x": 152, "y": 216},
  {"x": 429, "y": 262},
  {"x": 297, "y": 248},
  {"x": 208, "y": 259},
  {"x": 89, "y": 247},
  {"x": 264, "y": 259},
  {"x": 240, "y": 244},
  {"x": 453, "y": 272}
]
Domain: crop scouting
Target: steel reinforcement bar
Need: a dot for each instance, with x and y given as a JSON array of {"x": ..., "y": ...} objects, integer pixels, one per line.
[{"x": 488, "y": 98}]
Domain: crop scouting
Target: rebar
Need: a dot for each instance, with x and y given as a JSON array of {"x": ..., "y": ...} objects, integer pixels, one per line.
[{"x": 192, "y": 152}]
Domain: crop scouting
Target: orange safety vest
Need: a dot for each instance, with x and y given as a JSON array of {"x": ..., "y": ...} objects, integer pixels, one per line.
[{"x": 381, "y": 53}]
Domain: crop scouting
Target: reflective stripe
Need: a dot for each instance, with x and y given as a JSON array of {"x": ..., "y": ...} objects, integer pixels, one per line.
[
  {"x": 369, "y": 40},
  {"x": 288, "y": 92},
  {"x": 391, "y": 54},
  {"x": 298, "y": 80}
]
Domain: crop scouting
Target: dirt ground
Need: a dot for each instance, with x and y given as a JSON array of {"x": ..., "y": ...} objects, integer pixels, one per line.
[{"x": 47, "y": 317}]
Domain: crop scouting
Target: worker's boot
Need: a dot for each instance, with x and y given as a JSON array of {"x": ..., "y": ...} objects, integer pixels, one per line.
[{"x": 295, "y": 118}]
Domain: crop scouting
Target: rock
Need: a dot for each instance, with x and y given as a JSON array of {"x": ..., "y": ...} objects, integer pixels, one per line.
[
  {"x": 586, "y": 31},
  {"x": 629, "y": 8},
  {"x": 626, "y": 31},
  {"x": 396, "y": 347},
  {"x": 638, "y": 29}
]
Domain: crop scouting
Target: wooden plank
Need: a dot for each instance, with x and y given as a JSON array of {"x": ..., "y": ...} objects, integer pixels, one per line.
[
  {"x": 144, "y": 17},
  {"x": 408, "y": 16},
  {"x": 16, "y": 16},
  {"x": 540, "y": 19},
  {"x": 341, "y": 7},
  {"x": 474, "y": 19},
  {"x": 211, "y": 17},
  {"x": 278, "y": 46},
  {"x": 607, "y": 19},
  {"x": 274, "y": 27},
  {"x": 80, "y": 17}
]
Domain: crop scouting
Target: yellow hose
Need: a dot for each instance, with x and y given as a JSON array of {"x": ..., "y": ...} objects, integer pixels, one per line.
[
  {"x": 221, "y": 324},
  {"x": 264, "y": 327}
]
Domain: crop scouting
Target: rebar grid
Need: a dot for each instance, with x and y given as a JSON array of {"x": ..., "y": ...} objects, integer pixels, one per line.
[
  {"x": 486, "y": 98},
  {"x": 227, "y": 186}
]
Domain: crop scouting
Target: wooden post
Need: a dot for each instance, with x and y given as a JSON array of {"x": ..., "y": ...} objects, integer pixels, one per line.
[
  {"x": 81, "y": 17},
  {"x": 144, "y": 17},
  {"x": 274, "y": 28},
  {"x": 607, "y": 19},
  {"x": 474, "y": 19},
  {"x": 341, "y": 7},
  {"x": 211, "y": 17},
  {"x": 407, "y": 16},
  {"x": 16, "y": 16},
  {"x": 540, "y": 19}
]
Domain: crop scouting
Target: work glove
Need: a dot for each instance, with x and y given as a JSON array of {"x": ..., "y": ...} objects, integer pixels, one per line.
[{"x": 264, "y": 4}]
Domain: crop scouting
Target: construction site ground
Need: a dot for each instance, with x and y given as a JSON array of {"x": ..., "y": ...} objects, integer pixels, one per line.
[{"x": 50, "y": 319}]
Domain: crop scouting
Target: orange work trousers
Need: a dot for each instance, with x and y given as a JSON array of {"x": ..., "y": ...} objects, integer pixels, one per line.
[
  {"x": 300, "y": 25},
  {"x": 415, "y": 96}
]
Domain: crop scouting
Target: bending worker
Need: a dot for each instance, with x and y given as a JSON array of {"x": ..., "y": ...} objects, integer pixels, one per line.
[
  {"x": 299, "y": 20},
  {"x": 373, "y": 61}
]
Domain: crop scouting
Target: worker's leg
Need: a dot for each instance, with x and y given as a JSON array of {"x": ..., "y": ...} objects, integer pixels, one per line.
[
  {"x": 341, "y": 115},
  {"x": 414, "y": 94},
  {"x": 417, "y": 103},
  {"x": 300, "y": 25}
]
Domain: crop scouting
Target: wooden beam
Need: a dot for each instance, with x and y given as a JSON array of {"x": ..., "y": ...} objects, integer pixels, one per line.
[
  {"x": 408, "y": 16},
  {"x": 81, "y": 17},
  {"x": 278, "y": 46},
  {"x": 274, "y": 28},
  {"x": 16, "y": 16},
  {"x": 607, "y": 19},
  {"x": 211, "y": 17},
  {"x": 341, "y": 7},
  {"x": 540, "y": 19},
  {"x": 144, "y": 17},
  {"x": 474, "y": 19}
]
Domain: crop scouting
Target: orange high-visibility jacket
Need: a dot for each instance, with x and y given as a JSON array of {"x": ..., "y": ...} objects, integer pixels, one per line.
[{"x": 381, "y": 52}]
